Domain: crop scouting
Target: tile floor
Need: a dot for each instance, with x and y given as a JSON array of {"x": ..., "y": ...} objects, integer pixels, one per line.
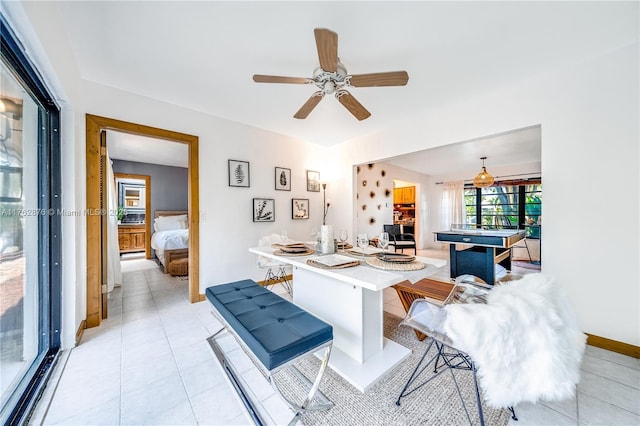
[{"x": 150, "y": 363}]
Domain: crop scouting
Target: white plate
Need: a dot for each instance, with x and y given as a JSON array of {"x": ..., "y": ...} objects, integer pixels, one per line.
[
  {"x": 333, "y": 260},
  {"x": 367, "y": 250}
]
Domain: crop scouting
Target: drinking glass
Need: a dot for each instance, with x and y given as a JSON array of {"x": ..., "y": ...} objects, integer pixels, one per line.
[
  {"x": 383, "y": 241},
  {"x": 343, "y": 238},
  {"x": 314, "y": 236},
  {"x": 363, "y": 242},
  {"x": 283, "y": 235}
]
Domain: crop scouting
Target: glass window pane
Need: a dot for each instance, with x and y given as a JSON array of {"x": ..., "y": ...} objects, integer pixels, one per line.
[{"x": 19, "y": 294}]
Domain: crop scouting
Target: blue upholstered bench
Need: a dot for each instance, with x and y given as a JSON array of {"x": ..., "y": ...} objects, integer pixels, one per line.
[{"x": 275, "y": 330}]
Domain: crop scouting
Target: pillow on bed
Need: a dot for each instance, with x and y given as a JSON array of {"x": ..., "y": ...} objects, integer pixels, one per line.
[{"x": 168, "y": 223}]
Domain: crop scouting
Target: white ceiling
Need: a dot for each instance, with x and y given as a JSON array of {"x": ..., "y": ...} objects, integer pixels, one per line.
[
  {"x": 517, "y": 147},
  {"x": 202, "y": 54},
  {"x": 123, "y": 146}
]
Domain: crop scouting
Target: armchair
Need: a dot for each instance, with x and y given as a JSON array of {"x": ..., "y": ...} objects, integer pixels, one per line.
[{"x": 400, "y": 240}]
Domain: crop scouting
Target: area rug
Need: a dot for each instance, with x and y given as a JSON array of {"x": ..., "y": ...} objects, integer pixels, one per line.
[
  {"x": 436, "y": 403},
  {"x": 526, "y": 264}
]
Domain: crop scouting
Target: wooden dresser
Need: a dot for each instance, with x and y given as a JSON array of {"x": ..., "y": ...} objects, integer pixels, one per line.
[{"x": 132, "y": 238}]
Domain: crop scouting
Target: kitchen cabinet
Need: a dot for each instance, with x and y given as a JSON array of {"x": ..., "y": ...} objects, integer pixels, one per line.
[
  {"x": 404, "y": 200},
  {"x": 405, "y": 195},
  {"x": 132, "y": 238}
]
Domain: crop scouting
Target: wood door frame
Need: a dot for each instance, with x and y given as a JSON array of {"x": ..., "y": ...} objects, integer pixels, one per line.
[
  {"x": 94, "y": 126},
  {"x": 147, "y": 207}
]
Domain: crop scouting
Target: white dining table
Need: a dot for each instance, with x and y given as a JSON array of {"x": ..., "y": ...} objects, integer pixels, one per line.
[{"x": 351, "y": 300}]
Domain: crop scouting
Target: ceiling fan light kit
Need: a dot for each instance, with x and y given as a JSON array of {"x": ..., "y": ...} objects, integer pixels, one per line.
[{"x": 332, "y": 78}]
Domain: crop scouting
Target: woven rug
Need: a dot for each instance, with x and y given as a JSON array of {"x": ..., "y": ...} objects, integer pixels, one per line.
[
  {"x": 436, "y": 403},
  {"x": 526, "y": 264}
]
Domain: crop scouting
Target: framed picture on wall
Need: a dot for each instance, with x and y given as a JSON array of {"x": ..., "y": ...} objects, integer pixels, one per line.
[
  {"x": 264, "y": 210},
  {"x": 313, "y": 181},
  {"x": 283, "y": 179},
  {"x": 299, "y": 208},
  {"x": 239, "y": 173}
]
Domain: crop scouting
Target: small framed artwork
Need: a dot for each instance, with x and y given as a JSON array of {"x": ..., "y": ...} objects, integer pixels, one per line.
[
  {"x": 283, "y": 179},
  {"x": 299, "y": 208},
  {"x": 239, "y": 173},
  {"x": 313, "y": 181},
  {"x": 264, "y": 210}
]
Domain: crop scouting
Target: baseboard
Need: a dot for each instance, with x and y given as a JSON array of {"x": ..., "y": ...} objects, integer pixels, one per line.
[
  {"x": 281, "y": 280},
  {"x": 613, "y": 345},
  {"x": 80, "y": 332}
]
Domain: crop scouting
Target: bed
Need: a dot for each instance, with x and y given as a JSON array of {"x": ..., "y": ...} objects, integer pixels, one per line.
[{"x": 170, "y": 238}]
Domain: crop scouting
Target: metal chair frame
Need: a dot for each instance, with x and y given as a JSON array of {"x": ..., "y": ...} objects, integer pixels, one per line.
[
  {"x": 280, "y": 276},
  {"x": 240, "y": 386},
  {"x": 455, "y": 360}
]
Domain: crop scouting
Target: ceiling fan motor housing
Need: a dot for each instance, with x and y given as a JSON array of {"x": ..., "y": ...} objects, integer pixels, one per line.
[{"x": 330, "y": 82}]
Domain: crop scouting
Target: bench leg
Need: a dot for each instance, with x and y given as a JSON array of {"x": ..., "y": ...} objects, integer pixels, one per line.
[
  {"x": 313, "y": 389},
  {"x": 235, "y": 380}
]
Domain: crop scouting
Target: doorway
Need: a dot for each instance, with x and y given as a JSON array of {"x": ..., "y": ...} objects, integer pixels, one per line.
[
  {"x": 96, "y": 127},
  {"x": 134, "y": 209}
]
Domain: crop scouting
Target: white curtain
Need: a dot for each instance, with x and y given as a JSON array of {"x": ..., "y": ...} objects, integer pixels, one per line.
[
  {"x": 114, "y": 272},
  {"x": 452, "y": 204}
]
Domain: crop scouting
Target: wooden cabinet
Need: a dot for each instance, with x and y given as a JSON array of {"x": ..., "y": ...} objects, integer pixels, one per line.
[
  {"x": 406, "y": 195},
  {"x": 132, "y": 238},
  {"x": 404, "y": 200}
]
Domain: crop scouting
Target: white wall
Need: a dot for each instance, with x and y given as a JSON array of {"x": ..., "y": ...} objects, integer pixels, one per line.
[{"x": 589, "y": 115}]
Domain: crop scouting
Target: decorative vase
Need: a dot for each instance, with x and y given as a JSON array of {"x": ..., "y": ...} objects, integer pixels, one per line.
[{"x": 327, "y": 243}]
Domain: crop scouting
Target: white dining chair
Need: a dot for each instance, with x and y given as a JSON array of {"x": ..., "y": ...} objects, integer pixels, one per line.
[{"x": 276, "y": 272}]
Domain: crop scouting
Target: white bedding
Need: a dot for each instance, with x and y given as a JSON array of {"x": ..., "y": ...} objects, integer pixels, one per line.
[{"x": 169, "y": 240}]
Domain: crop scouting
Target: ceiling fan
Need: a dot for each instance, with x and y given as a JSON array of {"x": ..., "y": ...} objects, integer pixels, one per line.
[{"x": 331, "y": 77}]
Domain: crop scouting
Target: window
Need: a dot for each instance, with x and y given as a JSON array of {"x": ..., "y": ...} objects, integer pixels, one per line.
[
  {"x": 520, "y": 202},
  {"x": 29, "y": 231}
]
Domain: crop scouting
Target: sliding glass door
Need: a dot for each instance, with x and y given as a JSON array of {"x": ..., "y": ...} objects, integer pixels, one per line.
[{"x": 29, "y": 231}]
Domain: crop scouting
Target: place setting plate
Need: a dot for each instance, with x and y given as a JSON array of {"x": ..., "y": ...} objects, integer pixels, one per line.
[
  {"x": 292, "y": 249},
  {"x": 333, "y": 261},
  {"x": 396, "y": 257},
  {"x": 367, "y": 251},
  {"x": 395, "y": 262},
  {"x": 306, "y": 251},
  {"x": 345, "y": 246}
]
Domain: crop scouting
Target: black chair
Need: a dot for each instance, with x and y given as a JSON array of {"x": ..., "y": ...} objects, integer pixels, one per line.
[{"x": 400, "y": 240}]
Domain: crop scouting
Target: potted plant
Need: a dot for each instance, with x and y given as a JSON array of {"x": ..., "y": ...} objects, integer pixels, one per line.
[{"x": 120, "y": 214}]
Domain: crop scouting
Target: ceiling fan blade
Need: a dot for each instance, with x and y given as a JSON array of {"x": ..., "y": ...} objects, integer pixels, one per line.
[
  {"x": 309, "y": 105},
  {"x": 352, "y": 105},
  {"x": 327, "y": 44},
  {"x": 279, "y": 79},
  {"x": 393, "y": 78}
]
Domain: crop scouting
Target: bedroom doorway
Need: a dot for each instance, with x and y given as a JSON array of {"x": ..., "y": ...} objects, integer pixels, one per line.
[{"x": 96, "y": 127}]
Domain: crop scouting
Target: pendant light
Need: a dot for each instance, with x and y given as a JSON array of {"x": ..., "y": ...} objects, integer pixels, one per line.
[{"x": 483, "y": 179}]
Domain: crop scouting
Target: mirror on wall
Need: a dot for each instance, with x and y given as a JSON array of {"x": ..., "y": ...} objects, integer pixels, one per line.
[{"x": 132, "y": 196}]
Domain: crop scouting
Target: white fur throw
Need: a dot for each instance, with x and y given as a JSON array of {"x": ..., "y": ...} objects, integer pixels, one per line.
[{"x": 525, "y": 341}]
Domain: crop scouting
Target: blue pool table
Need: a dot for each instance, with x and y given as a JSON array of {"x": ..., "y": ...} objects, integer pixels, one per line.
[{"x": 489, "y": 247}]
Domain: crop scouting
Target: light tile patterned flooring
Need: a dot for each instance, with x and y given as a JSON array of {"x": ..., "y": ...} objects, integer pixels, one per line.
[{"x": 149, "y": 363}]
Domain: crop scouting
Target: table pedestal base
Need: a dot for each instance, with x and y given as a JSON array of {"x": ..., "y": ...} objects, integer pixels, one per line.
[
  {"x": 364, "y": 375},
  {"x": 361, "y": 354}
]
